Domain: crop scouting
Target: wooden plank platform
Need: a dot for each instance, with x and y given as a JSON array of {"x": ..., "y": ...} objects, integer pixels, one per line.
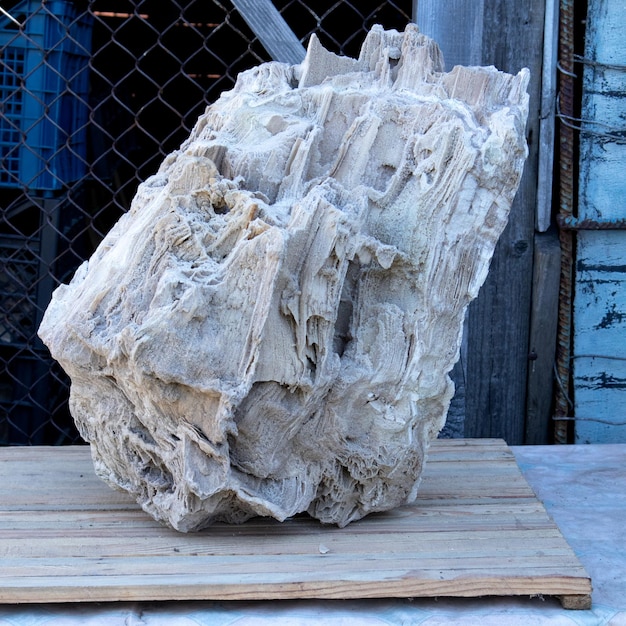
[{"x": 477, "y": 529}]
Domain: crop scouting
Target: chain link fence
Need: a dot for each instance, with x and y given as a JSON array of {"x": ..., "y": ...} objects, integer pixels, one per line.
[{"x": 93, "y": 95}]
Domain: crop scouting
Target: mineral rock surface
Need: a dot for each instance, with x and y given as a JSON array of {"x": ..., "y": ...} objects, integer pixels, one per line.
[{"x": 269, "y": 330}]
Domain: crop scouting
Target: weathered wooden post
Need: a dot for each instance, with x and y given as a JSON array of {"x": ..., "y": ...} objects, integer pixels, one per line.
[{"x": 508, "y": 35}]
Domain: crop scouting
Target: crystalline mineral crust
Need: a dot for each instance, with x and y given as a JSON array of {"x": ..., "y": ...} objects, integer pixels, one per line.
[{"x": 270, "y": 328}]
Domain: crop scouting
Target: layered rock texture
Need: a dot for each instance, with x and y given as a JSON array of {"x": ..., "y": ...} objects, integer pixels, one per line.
[{"x": 269, "y": 330}]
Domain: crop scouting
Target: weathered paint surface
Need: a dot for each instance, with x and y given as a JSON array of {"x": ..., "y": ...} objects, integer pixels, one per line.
[{"x": 600, "y": 298}]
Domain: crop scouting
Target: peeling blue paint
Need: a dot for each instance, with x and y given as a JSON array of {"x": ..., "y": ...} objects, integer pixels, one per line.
[
  {"x": 583, "y": 266},
  {"x": 600, "y": 277},
  {"x": 613, "y": 316},
  {"x": 603, "y": 380}
]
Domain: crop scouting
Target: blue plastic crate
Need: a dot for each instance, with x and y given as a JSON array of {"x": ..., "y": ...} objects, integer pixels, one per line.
[{"x": 44, "y": 84}]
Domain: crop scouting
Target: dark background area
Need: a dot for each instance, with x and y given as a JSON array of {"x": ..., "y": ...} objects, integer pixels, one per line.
[{"x": 94, "y": 95}]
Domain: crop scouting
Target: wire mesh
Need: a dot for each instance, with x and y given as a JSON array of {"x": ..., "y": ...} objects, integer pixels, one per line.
[{"x": 111, "y": 87}]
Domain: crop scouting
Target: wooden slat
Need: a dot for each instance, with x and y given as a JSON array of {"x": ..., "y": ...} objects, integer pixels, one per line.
[
  {"x": 543, "y": 334},
  {"x": 273, "y": 32},
  {"x": 547, "y": 119},
  {"x": 488, "y": 32},
  {"x": 599, "y": 373},
  {"x": 476, "y": 529}
]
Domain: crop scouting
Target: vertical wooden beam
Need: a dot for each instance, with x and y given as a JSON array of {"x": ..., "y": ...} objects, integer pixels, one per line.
[
  {"x": 456, "y": 25},
  {"x": 508, "y": 35},
  {"x": 543, "y": 323},
  {"x": 547, "y": 117},
  {"x": 500, "y": 317}
]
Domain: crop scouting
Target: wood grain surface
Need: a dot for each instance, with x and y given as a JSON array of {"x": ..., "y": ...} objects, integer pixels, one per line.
[{"x": 477, "y": 529}]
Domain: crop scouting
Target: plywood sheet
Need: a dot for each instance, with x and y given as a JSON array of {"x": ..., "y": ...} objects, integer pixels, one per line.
[{"x": 476, "y": 529}]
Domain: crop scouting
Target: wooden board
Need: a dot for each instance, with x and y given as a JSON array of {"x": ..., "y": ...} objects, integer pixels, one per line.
[
  {"x": 544, "y": 314},
  {"x": 477, "y": 529},
  {"x": 489, "y": 32},
  {"x": 273, "y": 32},
  {"x": 599, "y": 323}
]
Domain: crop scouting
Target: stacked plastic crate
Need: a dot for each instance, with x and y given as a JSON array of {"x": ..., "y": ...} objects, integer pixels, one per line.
[{"x": 44, "y": 83}]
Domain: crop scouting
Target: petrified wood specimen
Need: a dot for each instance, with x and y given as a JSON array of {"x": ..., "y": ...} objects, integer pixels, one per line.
[{"x": 269, "y": 330}]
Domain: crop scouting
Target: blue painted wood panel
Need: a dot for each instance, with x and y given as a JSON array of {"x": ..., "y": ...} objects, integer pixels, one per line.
[{"x": 600, "y": 280}]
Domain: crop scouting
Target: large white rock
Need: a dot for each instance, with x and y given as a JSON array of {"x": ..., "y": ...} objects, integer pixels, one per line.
[{"x": 269, "y": 330}]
